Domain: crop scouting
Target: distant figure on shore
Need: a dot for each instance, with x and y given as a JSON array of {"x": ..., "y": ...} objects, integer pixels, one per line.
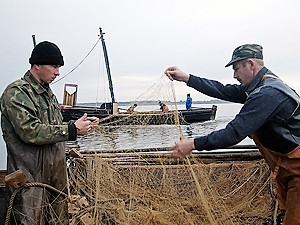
[
  {"x": 188, "y": 102},
  {"x": 131, "y": 108},
  {"x": 163, "y": 107}
]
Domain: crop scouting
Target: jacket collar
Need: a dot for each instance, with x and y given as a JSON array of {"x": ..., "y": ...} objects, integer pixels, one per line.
[
  {"x": 38, "y": 87},
  {"x": 256, "y": 80}
]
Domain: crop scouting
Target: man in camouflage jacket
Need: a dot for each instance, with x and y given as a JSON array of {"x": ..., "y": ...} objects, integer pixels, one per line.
[{"x": 34, "y": 133}]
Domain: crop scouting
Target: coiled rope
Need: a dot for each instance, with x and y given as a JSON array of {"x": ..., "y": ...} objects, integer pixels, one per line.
[{"x": 12, "y": 198}]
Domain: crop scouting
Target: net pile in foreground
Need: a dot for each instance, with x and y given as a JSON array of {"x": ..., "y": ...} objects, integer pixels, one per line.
[{"x": 167, "y": 191}]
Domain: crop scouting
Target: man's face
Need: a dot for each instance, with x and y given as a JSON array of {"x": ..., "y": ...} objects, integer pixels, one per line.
[
  {"x": 243, "y": 72},
  {"x": 48, "y": 73}
]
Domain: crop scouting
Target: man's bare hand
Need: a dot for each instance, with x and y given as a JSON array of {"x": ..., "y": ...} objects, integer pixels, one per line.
[
  {"x": 85, "y": 123},
  {"x": 94, "y": 120},
  {"x": 174, "y": 73},
  {"x": 182, "y": 148}
]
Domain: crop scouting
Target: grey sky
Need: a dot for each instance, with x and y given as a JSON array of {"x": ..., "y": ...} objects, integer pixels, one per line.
[{"x": 145, "y": 37}]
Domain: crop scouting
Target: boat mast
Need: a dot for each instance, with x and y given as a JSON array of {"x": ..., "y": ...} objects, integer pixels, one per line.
[
  {"x": 107, "y": 67},
  {"x": 33, "y": 40}
]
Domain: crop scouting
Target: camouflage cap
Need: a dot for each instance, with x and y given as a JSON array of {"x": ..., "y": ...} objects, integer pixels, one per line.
[{"x": 246, "y": 51}]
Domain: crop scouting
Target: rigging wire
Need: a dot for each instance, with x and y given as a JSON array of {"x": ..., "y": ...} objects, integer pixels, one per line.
[
  {"x": 78, "y": 63},
  {"x": 98, "y": 82},
  {"x": 101, "y": 71}
]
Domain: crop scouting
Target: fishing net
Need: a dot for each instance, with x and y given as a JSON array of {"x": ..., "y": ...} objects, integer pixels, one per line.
[
  {"x": 159, "y": 190},
  {"x": 114, "y": 178},
  {"x": 157, "y": 106},
  {"x": 127, "y": 183}
]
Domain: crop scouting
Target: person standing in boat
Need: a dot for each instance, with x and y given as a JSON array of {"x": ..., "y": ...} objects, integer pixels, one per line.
[
  {"x": 163, "y": 107},
  {"x": 131, "y": 108},
  {"x": 188, "y": 102},
  {"x": 270, "y": 115},
  {"x": 34, "y": 133}
]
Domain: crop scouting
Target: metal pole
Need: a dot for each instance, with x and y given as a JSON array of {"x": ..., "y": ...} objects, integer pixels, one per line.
[
  {"x": 33, "y": 39},
  {"x": 107, "y": 67}
]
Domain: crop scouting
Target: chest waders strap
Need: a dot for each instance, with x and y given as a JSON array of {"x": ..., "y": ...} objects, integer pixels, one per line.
[
  {"x": 269, "y": 75},
  {"x": 275, "y": 172}
]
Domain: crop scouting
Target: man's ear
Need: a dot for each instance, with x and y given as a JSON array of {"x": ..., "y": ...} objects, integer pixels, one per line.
[
  {"x": 251, "y": 62},
  {"x": 36, "y": 66}
]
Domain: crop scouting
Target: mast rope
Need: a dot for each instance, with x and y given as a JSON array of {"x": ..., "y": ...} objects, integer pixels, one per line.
[{"x": 78, "y": 63}]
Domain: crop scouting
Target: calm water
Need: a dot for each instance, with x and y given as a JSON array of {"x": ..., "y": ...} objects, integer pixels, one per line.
[{"x": 134, "y": 137}]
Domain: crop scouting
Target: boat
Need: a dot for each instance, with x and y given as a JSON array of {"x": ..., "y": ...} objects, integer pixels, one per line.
[
  {"x": 183, "y": 117},
  {"x": 106, "y": 116},
  {"x": 110, "y": 114}
]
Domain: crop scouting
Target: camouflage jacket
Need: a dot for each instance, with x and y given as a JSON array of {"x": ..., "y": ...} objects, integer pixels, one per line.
[
  {"x": 34, "y": 134},
  {"x": 33, "y": 131},
  {"x": 32, "y": 112}
]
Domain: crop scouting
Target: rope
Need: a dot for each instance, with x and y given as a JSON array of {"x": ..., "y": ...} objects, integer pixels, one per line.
[
  {"x": 275, "y": 213},
  {"x": 176, "y": 115},
  {"x": 12, "y": 198},
  {"x": 78, "y": 63}
]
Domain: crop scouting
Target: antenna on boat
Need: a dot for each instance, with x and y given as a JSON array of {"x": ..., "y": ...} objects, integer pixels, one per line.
[
  {"x": 33, "y": 39},
  {"x": 107, "y": 66}
]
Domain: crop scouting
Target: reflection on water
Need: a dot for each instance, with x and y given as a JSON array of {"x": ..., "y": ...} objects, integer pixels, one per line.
[
  {"x": 155, "y": 136},
  {"x": 131, "y": 137}
]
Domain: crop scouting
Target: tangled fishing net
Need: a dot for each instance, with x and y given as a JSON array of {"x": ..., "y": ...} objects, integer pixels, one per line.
[
  {"x": 145, "y": 186},
  {"x": 170, "y": 192}
]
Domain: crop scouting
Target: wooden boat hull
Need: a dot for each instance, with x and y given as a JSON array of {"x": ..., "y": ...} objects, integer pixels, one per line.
[
  {"x": 76, "y": 112},
  {"x": 193, "y": 115}
]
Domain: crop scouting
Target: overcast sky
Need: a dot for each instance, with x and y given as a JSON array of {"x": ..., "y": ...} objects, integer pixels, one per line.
[{"x": 144, "y": 37}]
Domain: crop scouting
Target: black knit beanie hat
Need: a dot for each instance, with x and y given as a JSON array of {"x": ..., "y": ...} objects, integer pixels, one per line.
[{"x": 46, "y": 53}]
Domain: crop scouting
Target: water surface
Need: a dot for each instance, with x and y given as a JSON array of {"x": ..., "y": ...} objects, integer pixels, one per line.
[{"x": 156, "y": 136}]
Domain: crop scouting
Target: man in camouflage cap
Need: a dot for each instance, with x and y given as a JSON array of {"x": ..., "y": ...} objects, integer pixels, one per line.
[
  {"x": 270, "y": 115},
  {"x": 34, "y": 133},
  {"x": 245, "y": 52}
]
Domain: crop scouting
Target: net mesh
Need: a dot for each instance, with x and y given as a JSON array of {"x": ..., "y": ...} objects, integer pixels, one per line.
[
  {"x": 147, "y": 186},
  {"x": 155, "y": 106},
  {"x": 139, "y": 186},
  {"x": 188, "y": 192}
]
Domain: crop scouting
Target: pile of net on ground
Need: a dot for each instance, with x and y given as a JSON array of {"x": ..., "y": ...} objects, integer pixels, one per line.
[{"x": 169, "y": 192}]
